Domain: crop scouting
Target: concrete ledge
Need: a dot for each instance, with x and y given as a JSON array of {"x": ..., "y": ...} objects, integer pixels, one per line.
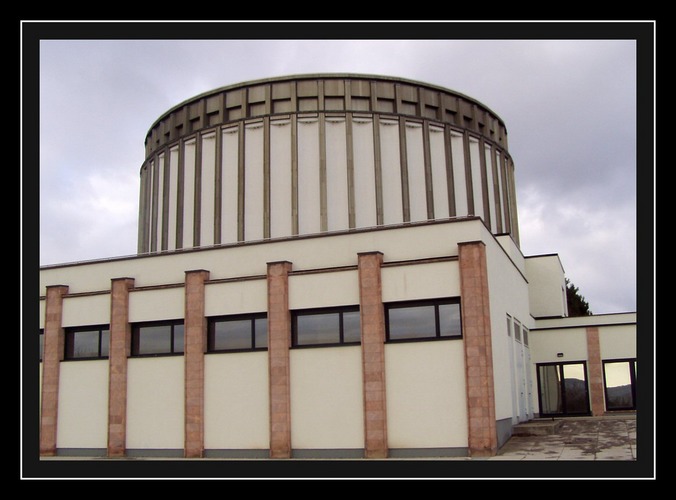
[{"x": 537, "y": 428}]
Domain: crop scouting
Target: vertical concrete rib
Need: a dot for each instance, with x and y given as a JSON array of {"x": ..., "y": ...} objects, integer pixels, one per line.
[
  {"x": 476, "y": 325},
  {"x": 195, "y": 331},
  {"x": 51, "y": 361},
  {"x": 119, "y": 351},
  {"x": 373, "y": 354},
  {"x": 279, "y": 339}
]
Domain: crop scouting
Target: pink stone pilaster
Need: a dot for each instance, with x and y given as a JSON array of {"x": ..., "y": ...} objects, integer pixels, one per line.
[
  {"x": 119, "y": 351},
  {"x": 195, "y": 331},
  {"x": 51, "y": 359},
  {"x": 476, "y": 324},
  {"x": 373, "y": 354},
  {"x": 279, "y": 339},
  {"x": 595, "y": 368}
]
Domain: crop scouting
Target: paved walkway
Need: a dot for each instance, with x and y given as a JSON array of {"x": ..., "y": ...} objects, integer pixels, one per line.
[{"x": 583, "y": 438}]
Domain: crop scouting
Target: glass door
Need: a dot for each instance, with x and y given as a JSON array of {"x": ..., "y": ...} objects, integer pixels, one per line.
[{"x": 563, "y": 389}]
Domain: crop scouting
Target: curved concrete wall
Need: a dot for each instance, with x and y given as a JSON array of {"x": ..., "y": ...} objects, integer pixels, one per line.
[{"x": 311, "y": 154}]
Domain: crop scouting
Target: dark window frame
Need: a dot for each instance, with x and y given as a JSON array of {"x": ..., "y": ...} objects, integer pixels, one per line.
[
  {"x": 564, "y": 402},
  {"x": 632, "y": 377},
  {"x": 340, "y": 310},
  {"x": 68, "y": 348},
  {"x": 422, "y": 303},
  {"x": 135, "y": 331},
  {"x": 211, "y": 324}
]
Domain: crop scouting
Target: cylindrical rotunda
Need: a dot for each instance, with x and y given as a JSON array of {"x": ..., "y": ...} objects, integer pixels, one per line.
[{"x": 312, "y": 154}]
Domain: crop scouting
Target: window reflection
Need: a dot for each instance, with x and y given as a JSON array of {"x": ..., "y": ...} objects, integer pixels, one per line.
[
  {"x": 318, "y": 329},
  {"x": 326, "y": 326},
  {"x": 412, "y": 322},
  {"x": 261, "y": 333},
  {"x": 232, "y": 335},
  {"x": 620, "y": 378},
  {"x": 423, "y": 320},
  {"x": 449, "y": 320},
  {"x": 238, "y": 333},
  {"x": 563, "y": 388},
  {"x": 154, "y": 340},
  {"x": 158, "y": 338},
  {"x": 351, "y": 327},
  {"x": 86, "y": 343}
]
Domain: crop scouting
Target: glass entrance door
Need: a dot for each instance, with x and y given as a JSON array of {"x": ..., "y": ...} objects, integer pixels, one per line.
[{"x": 563, "y": 389}]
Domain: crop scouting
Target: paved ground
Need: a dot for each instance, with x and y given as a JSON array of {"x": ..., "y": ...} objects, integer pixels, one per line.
[{"x": 584, "y": 438}]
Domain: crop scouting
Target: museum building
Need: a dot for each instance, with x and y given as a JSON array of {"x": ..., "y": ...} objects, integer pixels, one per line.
[{"x": 328, "y": 266}]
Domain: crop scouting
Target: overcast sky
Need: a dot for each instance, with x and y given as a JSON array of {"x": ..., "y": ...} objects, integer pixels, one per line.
[{"x": 569, "y": 107}]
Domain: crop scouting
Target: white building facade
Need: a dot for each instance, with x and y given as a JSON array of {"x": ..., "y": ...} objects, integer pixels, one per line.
[{"x": 328, "y": 266}]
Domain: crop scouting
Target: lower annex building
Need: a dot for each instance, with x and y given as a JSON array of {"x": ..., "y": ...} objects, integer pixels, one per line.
[{"x": 328, "y": 266}]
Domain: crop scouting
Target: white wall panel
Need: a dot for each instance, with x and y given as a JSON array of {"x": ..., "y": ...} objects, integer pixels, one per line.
[
  {"x": 459, "y": 177},
  {"x": 229, "y": 185},
  {"x": 173, "y": 197},
  {"x": 207, "y": 200},
  {"x": 281, "y": 223},
  {"x": 327, "y": 398},
  {"x": 475, "y": 160},
  {"x": 236, "y": 403},
  {"x": 426, "y": 396},
  {"x": 324, "y": 290},
  {"x": 617, "y": 341},
  {"x": 160, "y": 198},
  {"x": 491, "y": 190},
  {"x": 421, "y": 281},
  {"x": 43, "y": 306},
  {"x": 155, "y": 305},
  {"x": 336, "y": 175},
  {"x": 83, "y": 405},
  {"x": 439, "y": 176},
  {"x": 188, "y": 193},
  {"x": 86, "y": 310},
  {"x": 253, "y": 182},
  {"x": 155, "y": 403},
  {"x": 236, "y": 297},
  {"x": 503, "y": 205},
  {"x": 415, "y": 157},
  {"x": 546, "y": 344},
  {"x": 364, "y": 172},
  {"x": 390, "y": 158},
  {"x": 309, "y": 208}
]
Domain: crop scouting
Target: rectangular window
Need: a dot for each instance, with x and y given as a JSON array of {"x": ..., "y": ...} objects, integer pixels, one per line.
[
  {"x": 430, "y": 319},
  {"x": 238, "y": 333},
  {"x": 322, "y": 327},
  {"x": 150, "y": 339},
  {"x": 619, "y": 378},
  {"x": 89, "y": 342}
]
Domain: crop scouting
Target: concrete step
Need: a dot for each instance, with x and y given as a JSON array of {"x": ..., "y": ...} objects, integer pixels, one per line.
[{"x": 537, "y": 427}]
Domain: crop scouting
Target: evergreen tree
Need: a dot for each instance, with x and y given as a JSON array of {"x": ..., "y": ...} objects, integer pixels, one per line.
[{"x": 577, "y": 305}]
